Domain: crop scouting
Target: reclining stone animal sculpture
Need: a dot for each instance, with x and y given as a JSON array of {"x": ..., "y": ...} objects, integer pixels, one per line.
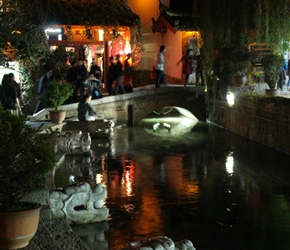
[
  {"x": 160, "y": 243},
  {"x": 79, "y": 203},
  {"x": 74, "y": 142}
]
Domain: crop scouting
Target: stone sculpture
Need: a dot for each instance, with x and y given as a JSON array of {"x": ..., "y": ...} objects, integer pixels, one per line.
[
  {"x": 74, "y": 142},
  {"x": 98, "y": 129},
  {"x": 160, "y": 243},
  {"x": 79, "y": 203}
]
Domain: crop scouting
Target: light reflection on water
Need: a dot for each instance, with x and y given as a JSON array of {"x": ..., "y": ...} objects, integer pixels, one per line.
[{"x": 212, "y": 187}]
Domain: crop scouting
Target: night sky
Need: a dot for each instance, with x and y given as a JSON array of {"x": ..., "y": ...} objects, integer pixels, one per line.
[{"x": 181, "y": 5}]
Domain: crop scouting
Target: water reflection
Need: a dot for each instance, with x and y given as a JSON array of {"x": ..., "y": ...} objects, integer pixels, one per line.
[{"x": 214, "y": 188}]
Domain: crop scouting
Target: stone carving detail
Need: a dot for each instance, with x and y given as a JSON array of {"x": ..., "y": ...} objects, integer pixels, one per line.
[
  {"x": 160, "y": 243},
  {"x": 74, "y": 142},
  {"x": 79, "y": 203}
]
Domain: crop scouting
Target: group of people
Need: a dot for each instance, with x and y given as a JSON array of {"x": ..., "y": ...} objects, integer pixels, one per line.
[
  {"x": 187, "y": 66},
  {"x": 83, "y": 79},
  {"x": 10, "y": 94},
  {"x": 122, "y": 76}
]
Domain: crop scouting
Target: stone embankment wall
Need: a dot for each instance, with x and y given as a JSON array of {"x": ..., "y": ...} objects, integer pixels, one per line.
[
  {"x": 135, "y": 106},
  {"x": 268, "y": 123}
]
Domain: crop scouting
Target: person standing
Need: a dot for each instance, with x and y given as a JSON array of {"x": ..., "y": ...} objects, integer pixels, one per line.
[
  {"x": 119, "y": 74},
  {"x": 81, "y": 73},
  {"x": 128, "y": 75},
  {"x": 288, "y": 73},
  {"x": 43, "y": 89},
  {"x": 160, "y": 78},
  {"x": 9, "y": 97},
  {"x": 112, "y": 74},
  {"x": 95, "y": 69},
  {"x": 187, "y": 68},
  {"x": 282, "y": 78},
  {"x": 199, "y": 69}
]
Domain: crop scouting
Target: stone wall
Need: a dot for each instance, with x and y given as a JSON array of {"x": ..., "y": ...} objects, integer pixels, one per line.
[
  {"x": 137, "y": 105},
  {"x": 268, "y": 123}
]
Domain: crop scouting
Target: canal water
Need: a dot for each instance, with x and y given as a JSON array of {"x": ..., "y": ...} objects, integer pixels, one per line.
[{"x": 210, "y": 186}]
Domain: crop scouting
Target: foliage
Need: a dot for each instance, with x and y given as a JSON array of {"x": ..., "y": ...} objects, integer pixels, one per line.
[
  {"x": 236, "y": 58},
  {"x": 271, "y": 64},
  {"x": 111, "y": 14},
  {"x": 26, "y": 157},
  {"x": 21, "y": 29},
  {"x": 241, "y": 23},
  {"x": 58, "y": 93},
  {"x": 56, "y": 60}
]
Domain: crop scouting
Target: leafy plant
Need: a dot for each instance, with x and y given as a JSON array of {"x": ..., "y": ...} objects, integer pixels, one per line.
[
  {"x": 26, "y": 157},
  {"x": 271, "y": 64},
  {"x": 236, "y": 58},
  {"x": 242, "y": 22},
  {"x": 58, "y": 93}
]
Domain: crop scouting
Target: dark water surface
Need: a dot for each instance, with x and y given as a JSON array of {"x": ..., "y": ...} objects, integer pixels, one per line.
[{"x": 215, "y": 188}]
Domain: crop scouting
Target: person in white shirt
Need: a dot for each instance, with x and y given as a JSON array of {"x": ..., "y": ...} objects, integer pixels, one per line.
[{"x": 160, "y": 78}]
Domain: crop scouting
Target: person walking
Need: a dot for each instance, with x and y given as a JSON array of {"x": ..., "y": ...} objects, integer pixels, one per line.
[
  {"x": 119, "y": 74},
  {"x": 282, "y": 78},
  {"x": 95, "y": 69},
  {"x": 81, "y": 73},
  {"x": 160, "y": 77},
  {"x": 199, "y": 68},
  {"x": 128, "y": 75},
  {"x": 43, "y": 89},
  {"x": 187, "y": 67},
  {"x": 8, "y": 93},
  {"x": 112, "y": 75}
]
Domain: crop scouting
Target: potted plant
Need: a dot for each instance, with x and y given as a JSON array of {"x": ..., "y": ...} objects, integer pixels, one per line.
[
  {"x": 26, "y": 157},
  {"x": 58, "y": 92},
  {"x": 271, "y": 64},
  {"x": 236, "y": 59}
]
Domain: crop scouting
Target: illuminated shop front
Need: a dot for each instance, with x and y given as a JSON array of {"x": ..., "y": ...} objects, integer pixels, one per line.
[{"x": 96, "y": 42}]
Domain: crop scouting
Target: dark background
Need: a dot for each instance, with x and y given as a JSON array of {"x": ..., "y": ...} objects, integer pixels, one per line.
[{"x": 181, "y": 5}]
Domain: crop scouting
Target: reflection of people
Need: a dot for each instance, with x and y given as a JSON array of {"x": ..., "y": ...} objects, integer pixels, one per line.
[
  {"x": 187, "y": 61},
  {"x": 160, "y": 78},
  {"x": 85, "y": 110},
  {"x": 128, "y": 75},
  {"x": 43, "y": 89}
]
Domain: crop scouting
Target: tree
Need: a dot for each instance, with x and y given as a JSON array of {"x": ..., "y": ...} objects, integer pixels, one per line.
[
  {"x": 225, "y": 23},
  {"x": 21, "y": 29}
]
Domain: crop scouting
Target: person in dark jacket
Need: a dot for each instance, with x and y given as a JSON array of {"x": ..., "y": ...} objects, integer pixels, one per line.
[
  {"x": 42, "y": 90},
  {"x": 8, "y": 93},
  {"x": 81, "y": 73},
  {"x": 85, "y": 110},
  {"x": 119, "y": 76},
  {"x": 112, "y": 75}
]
